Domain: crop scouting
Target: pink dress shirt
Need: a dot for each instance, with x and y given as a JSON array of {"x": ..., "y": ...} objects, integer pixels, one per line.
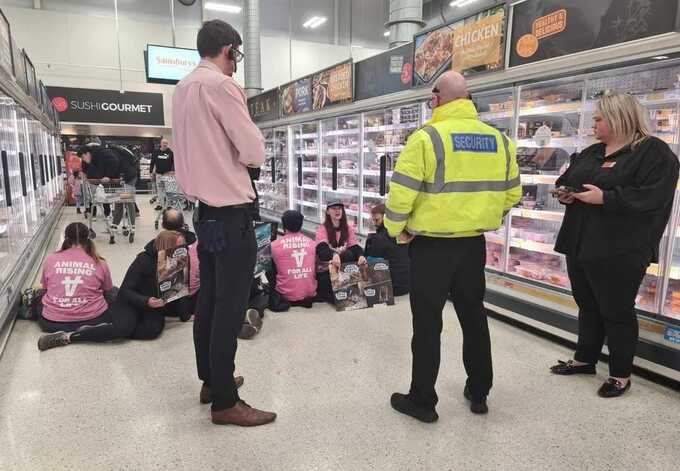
[{"x": 214, "y": 138}]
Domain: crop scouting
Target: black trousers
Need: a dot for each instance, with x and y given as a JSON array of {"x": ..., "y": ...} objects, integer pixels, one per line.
[
  {"x": 324, "y": 288},
  {"x": 226, "y": 250},
  {"x": 605, "y": 292},
  {"x": 117, "y": 322},
  {"x": 439, "y": 268}
]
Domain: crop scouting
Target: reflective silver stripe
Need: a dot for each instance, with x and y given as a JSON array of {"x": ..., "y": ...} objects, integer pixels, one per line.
[
  {"x": 440, "y": 154},
  {"x": 472, "y": 187},
  {"x": 446, "y": 234},
  {"x": 394, "y": 216},
  {"x": 405, "y": 180}
]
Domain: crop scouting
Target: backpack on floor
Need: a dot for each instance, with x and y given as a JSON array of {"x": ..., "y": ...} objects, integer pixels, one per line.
[{"x": 31, "y": 302}]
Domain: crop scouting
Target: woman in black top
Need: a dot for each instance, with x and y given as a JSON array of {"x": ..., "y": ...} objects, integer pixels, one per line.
[
  {"x": 618, "y": 196},
  {"x": 381, "y": 245}
]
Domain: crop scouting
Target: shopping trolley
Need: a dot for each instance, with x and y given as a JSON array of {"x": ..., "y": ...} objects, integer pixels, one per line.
[
  {"x": 171, "y": 194},
  {"x": 112, "y": 192}
]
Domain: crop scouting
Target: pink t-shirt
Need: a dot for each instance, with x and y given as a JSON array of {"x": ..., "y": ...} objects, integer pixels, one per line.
[
  {"x": 295, "y": 257},
  {"x": 194, "y": 271},
  {"x": 322, "y": 236},
  {"x": 75, "y": 286}
]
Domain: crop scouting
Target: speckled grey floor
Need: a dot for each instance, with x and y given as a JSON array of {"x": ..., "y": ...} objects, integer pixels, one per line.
[{"x": 134, "y": 406}]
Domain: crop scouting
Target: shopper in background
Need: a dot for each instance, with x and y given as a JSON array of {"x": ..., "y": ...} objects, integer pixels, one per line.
[
  {"x": 337, "y": 243},
  {"x": 455, "y": 179},
  {"x": 381, "y": 245},
  {"x": 162, "y": 163},
  {"x": 74, "y": 308},
  {"x": 293, "y": 280},
  {"x": 76, "y": 184},
  {"x": 216, "y": 143},
  {"x": 139, "y": 289},
  {"x": 618, "y": 196}
]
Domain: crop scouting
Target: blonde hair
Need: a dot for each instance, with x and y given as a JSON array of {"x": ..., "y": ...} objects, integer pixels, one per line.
[
  {"x": 167, "y": 240},
  {"x": 625, "y": 115}
]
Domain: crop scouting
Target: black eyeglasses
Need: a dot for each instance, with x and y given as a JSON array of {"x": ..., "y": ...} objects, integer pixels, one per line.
[
  {"x": 435, "y": 90},
  {"x": 236, "y": 55}
]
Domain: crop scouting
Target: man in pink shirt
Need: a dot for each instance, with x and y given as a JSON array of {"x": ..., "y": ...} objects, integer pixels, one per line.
[
  {"x": 294, "y": 258},
  {"x": 215, "y": 144}
]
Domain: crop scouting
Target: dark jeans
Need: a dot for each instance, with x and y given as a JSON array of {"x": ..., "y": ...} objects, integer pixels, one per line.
[
  {"x": 439, "y": 268},
  {"x": 117, "y": 322},
  {"x": 605, "y": 292},
  {"x": 151, "y": 322},
  {"x": 226, "y": 250}
]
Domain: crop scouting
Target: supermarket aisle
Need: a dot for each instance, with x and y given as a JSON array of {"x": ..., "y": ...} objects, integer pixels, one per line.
[{"x": 134, "y": 405}]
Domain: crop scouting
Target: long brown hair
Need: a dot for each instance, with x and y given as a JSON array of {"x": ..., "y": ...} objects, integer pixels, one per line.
[
  {"x": 168, "y": 240},
  {"x": 77, "y": 233},
  {"x": 331, "y": 231}
]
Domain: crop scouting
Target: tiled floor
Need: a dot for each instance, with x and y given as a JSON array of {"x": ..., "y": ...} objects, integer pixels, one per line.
[{"x": 134, "y": 405}]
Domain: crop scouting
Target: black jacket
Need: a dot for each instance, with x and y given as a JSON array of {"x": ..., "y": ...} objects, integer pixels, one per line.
[
  {"x": 111, "y": 163},
  {"x": 140, "y": 282},
  {"x": 162, "y": 161},
  {"x": 382, "y": 245},
  {"x": 638, "y": 184}
]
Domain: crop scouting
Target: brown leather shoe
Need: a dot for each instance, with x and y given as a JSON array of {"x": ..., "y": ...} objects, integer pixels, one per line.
[
  {"x": 206, "y": 395},
  {"x": 242, "y": 415}
]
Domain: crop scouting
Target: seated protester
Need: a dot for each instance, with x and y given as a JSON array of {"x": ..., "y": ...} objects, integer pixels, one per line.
[
  {"x": 140, "y": 287},
  {"x": 337, "y": 244},
  {"x": 381, "y": 245},
  {"x": 293, "y": 266},
  {"x": 173, "y": 220},
  {"x": 74, "y": 309}
]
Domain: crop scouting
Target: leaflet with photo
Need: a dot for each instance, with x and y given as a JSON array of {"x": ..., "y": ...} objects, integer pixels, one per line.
[
  {"x": 173, "y": 273},
  {"x": 362, "y": 286}
]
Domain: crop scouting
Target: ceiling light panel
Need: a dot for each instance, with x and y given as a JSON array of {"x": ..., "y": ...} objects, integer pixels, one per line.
[
  {"x": 223, "y": 7},
  {"x": 314, "y": 22}
]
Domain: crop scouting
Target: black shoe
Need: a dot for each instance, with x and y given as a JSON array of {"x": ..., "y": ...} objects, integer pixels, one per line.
[
  {"x": 158, "y": 208},
  {"x": 185, "y": 317},
  {"x": 612, "y": 388},
  {"x": 112, "y": 240},
  {"x": 569, "y": 368},
  {"x": 57, "y": 339},
  {"x": 477, "y": 406},
  {"x": 403, "y": 403},
  {"x": 307, "y": 303},
  {"x": 78, "y": 211}
]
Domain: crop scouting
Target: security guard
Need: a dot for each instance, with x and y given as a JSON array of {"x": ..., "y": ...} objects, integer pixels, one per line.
[{"x": 455, "y": 179}]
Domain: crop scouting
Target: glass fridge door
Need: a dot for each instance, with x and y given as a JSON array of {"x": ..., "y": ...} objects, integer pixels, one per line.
[
  {"x": 548, "y": 123},
  {"x": 306, "y": 163},
  {"x": 384, "y": 136},
  {"x": 340, "y": 161},
  {"x": 497, "y": 108},
  {"x": 263, "y": 184},
  {"x": 658, "y": 89}
]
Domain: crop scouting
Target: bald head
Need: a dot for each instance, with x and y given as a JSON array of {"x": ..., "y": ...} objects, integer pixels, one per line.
[
  {"x": 164, "y": 144},
  {"x": 452, "y": 86},
  {"x": 173, "y": 220}
]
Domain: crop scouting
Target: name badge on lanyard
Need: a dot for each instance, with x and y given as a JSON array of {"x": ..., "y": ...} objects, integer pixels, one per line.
[{"x": 609, "y": 164}]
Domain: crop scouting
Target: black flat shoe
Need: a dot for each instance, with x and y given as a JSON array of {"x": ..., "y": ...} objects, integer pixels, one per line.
[
  {"x": 477, "y": 406},
  {"x": 567, "y": 368},
  {"x": 612, "y": 388},
  {"x": 403, "y": 403}
]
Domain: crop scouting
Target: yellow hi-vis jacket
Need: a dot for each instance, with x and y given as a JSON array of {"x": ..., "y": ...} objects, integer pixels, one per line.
[{"x": 456, "y": 177}]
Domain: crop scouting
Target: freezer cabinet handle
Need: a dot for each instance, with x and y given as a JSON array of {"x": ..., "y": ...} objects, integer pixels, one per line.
[
  {"x": 22, "y": 170},
  {"x": 273, "y": 170},
  {"x": 299, "y": 165},
  {"x": 5, "y": 175},
  {"x": 383, "y": 175},
  {"x": 335, "y": 173}
]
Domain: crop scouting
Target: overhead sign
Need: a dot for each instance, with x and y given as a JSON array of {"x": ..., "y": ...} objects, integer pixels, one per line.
[
  {"x": 169, "y": 64},
  {"x": 478, "y": 47},
  {"x": 296, "y": 97},
  {"x": 265, "y": 106},
  {"x": 31, "y": 78},
  {"x": 385, "y": 73},
  {"x": 5, "y": 45},
  {"x": 544, "y": 29},
  {"x": 19, "y": 66},
  {"x": 85, "y": 105},
  {"x": 332, "y": 86}
]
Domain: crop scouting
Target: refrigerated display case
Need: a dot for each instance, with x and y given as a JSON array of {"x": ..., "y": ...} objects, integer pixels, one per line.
[
  {"x": 272, "y": 184},
  {"x": 341, "y": 162},
  {"x": 384, "y": 135},
  {"x": 306, "y": 185}
]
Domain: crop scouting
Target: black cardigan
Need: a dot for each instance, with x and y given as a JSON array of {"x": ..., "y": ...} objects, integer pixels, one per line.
[
  {"x": 639, "y": 186},
  {"x": 382, "y": 245}
]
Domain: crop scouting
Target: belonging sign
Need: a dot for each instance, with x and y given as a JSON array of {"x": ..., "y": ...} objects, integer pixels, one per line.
[
  {"x": 332, "y": 86},
  {"x": 478, "y": 47},
  {"x": 362, "y": 286},
  {"x": 265, "y": 106},
  {"x": 169, "y": 64},
  {"x": 389, "y": 72},
  {"x": 296, "y": 97},
  {"x": 5, "y": 45},
  {"x": 544, "y": 29},
  {"x": 85, "y": 105}
]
